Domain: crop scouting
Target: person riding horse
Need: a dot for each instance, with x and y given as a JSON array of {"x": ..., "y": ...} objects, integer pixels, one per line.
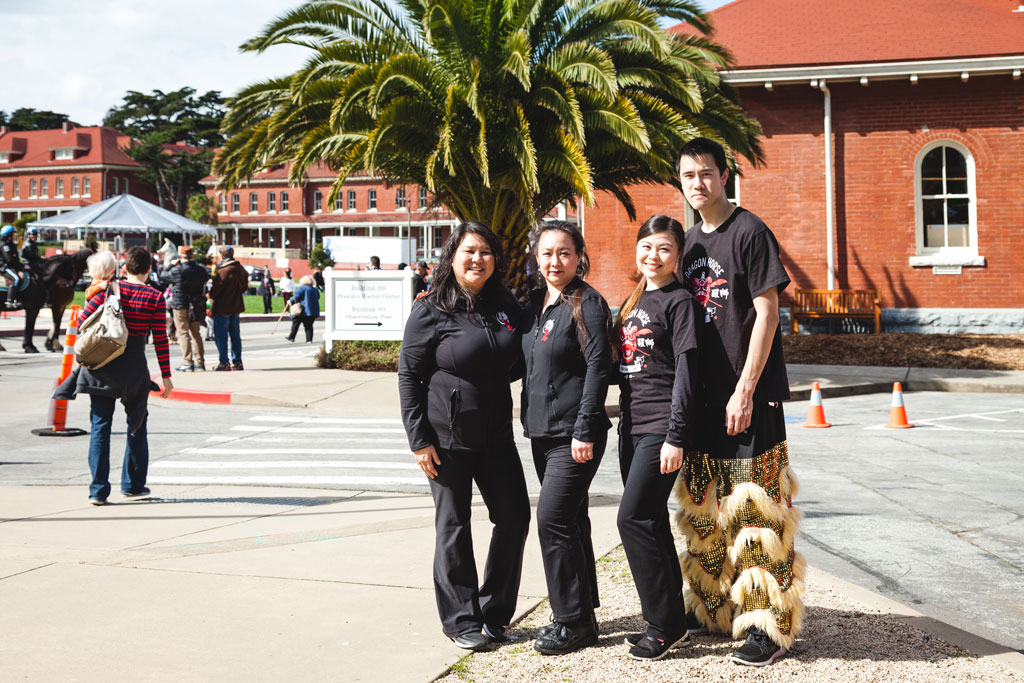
[
  {"x": 30, "y": 250},
  {"x": 12, "y": 266}
]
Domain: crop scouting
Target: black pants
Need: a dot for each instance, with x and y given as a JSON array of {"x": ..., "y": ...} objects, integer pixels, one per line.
[
  {"x": 647, "y": 535},
  {"x": 563, "y": 524},
  {"x": 464, "y": 604},
  {"x": 268, "y": 298},
  {"x": 307, "y": 322}
]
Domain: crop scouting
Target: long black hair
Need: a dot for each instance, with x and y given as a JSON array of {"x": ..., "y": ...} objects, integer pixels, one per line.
[
  {"x": 654, "y": 225},
  {"x": 446, "y": 294}
]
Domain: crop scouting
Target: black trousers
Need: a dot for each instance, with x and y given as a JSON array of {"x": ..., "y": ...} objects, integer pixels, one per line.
[
  {"x": 563, "y": 524},
  {"x": 268, "y": 298},
  {"x": 307, "y": 322},
  {"x": 647, "y": 534},
  {"x": 463, "y": 603}
]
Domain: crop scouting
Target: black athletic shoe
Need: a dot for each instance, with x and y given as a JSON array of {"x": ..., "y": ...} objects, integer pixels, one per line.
[
  {"x": 141, "y": 493},
  {"x": 650, "y": 648},
  {"x": 497, "y": 634},
  {"x": 222, "y": 367},
  {"x": 758, "y": 650},
  {"x": 565, "y": 638},
  {"x": 693, "y": 625},
  {"x": 548, "y": 628},
  {"x": 632, "y": 639},
  {"x": 474, "y": 640},
  {"x": 237, "y": 366}
]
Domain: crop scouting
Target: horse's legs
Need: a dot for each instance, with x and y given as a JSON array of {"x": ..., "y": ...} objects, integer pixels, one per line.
[
  {"x": 30, "y": 327},
  {"x": 53, "y": 340}
]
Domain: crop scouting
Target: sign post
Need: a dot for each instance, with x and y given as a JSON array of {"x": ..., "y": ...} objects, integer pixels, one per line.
[{"x": 367, "y": 304}]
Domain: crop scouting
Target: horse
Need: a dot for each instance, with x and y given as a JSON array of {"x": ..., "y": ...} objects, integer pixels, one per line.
[{"x": 51, "y": 283}]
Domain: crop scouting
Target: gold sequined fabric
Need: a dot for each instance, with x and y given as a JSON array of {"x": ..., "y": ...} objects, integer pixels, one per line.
[{"x": 758, "y": 599}]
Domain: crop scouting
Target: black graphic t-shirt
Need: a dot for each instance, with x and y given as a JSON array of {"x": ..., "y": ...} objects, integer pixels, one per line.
[
  {"x": 725, "y": 270},
  {"x": 660, "y": 327}
]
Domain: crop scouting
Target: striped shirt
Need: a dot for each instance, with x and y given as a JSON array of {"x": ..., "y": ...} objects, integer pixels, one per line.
[{"x": 143, "y": 308}]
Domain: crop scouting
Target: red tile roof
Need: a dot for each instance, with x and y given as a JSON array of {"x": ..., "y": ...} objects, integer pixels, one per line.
[
  {"x": 789, "y": 33},
  {"x": 97, "y": 145},
  {"x": 317, "y": 171}
]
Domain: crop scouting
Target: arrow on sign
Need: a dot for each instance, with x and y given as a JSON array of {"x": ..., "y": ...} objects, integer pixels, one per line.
[{"x": 378, "y": 324}]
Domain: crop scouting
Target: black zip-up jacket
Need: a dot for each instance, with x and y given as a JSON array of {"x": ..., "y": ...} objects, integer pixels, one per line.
[
  {"x": 9, "y": 255},
  {"x": 454, "y": 374},
  {"x": 30, "y": 253},
  {"x": 188, "y": 279},
  {"x": 566, "y": 379}
]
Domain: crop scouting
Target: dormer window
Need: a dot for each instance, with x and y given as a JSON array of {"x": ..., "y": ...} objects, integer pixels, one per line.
[
  {"x": 3, "y": 157},
  {"x": 63, "y": 154}
]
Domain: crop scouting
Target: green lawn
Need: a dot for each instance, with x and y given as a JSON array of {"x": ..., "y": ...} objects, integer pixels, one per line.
[{"x": 253, "y": 304}]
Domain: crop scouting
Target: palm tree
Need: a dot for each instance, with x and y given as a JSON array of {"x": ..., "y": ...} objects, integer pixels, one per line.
[{"x": 501, "y": 109}]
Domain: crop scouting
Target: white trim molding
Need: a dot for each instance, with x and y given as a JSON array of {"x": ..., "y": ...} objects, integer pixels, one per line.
[{"x": 913, "y": 70}]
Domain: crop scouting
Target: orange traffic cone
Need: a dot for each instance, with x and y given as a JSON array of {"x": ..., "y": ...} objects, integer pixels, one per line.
[
  {"x": 816, "y": 412},
  {"x": 57, "y": 415},
  {"x": 898, "y": 413}
]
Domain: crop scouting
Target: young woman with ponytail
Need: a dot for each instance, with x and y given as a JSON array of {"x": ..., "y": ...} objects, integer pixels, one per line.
[
  {"x": 658, "y": 331},
  {"x": 567, "y": 352}
]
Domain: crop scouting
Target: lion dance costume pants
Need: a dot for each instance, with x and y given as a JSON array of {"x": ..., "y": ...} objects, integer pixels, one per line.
[{"x": 739, "y": 523}]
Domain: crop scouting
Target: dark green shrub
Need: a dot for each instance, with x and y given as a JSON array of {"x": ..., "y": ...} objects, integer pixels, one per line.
[{"x": 378, "y": 356}]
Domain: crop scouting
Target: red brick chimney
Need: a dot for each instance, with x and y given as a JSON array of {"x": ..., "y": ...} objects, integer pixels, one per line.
[{"x": 66, "y": 126}]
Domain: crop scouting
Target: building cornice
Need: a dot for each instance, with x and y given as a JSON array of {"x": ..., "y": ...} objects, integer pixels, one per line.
[
  {"x": 912, "y": 70},
  {"x": 68, "y": 168},
  {"x": 343, "y": 224},
  {"x": 306, "y": 181}
]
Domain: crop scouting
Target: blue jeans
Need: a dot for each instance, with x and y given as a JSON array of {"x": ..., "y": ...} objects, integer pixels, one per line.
[
  {"x": 225, "y": 326},
  {"x": 136, "y": 451}
]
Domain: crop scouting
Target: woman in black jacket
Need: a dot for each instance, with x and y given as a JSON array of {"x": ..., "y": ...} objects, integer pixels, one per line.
[
  {"x": 459, "y": 352},
  {"x": 567, "y": 354}
]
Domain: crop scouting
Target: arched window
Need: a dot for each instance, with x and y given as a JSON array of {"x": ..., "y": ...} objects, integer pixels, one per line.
[{"x": 945, "y": 204}]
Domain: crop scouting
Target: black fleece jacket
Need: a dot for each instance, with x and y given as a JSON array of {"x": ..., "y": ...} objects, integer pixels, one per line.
[
  {"x": 566, "y": 377},
  {"x": 454, "y": 373}
]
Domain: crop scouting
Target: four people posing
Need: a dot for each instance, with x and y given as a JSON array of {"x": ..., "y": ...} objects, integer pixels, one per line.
[{"x": 702, "y": 380}]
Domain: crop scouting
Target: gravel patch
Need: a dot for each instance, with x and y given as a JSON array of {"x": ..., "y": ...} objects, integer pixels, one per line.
[
  {"x": 842, "y": 641},
  {"x": 903, "y": 350}
]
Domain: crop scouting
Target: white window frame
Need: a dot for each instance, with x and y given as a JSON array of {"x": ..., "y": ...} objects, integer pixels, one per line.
[
  {"x": 86, "y": 186},
  {"x": 75, "y": 185},
  {"x": 33, "y": 184},
  {"x": 59, "y": 187},
  {"x": 114, "y": 187},
  {"x": 371, "y": 200},
  {"x": 318, "y": 201},
  {"x": 271, "y": 202},
  {"x": 339, "y": 203},
  {"x": 946, "y": 256},
  {"x": 16, "y": 189},
  {"x": 2, "y": 188},
  {"x": 63, "y": 154},
  {"x": 236, "y": 203},
  {"x": 284, "y": 202},
  {"x": 44, "y": 187},
  {"x": 351, "y": 200},
  {"x": 222, "y": 203},
  {"x": 4, "y": 157},
  {"x": 423, "y": 198},
  {"x": 254, "y": 203},
  {"x": 400, "y": 198}
]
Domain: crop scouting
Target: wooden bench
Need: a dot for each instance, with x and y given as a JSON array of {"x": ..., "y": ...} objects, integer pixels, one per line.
[{"x": 836, "y": 303}]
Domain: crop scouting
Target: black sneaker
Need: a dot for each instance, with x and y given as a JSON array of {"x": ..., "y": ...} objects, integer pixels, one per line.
[
  {"x": 565, "y": 638},
  {"x": 141, "y": 493},
  {"x": 474, "y": 640},
  {"x": 222, "y": 367},
  {"x": 694, "y": 626},
  {"x": 650, "y": 648},
  {"x": 237, "y": 366},
  {"x": 757, "y": 650},
  {"x": 632, "y": 639},
  {"x": 497, "y": 634}
]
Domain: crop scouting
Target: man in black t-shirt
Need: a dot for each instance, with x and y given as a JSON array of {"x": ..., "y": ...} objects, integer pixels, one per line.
[{"x": 731, "y": 264}]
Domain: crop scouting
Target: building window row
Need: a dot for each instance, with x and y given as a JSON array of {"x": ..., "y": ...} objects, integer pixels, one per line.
[
  {"x": 40, "y": 188},
  {"x": 254, "y": 202}
]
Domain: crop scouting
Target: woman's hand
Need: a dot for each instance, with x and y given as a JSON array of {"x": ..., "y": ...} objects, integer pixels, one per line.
[
  {"x": 582, "y": 451},
  {"x": 428, "y": 461},
  {"x": 671, "y": 458},
  {"x": 168, "y": 388}
]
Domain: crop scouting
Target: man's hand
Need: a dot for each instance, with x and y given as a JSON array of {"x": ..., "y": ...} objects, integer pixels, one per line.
[
  {"x": 582, "y": 451},
  {"x": 168, "y": 388},
  {"x": 428, "y": 460},
  {"x": 738, "y": 412},
  {"x": 671, "y": 458}
]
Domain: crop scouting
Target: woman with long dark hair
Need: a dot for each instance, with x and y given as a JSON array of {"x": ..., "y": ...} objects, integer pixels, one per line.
[
  {"x": 658, "y": 333},
  {"x": 459, "y": 352},
  {"x": 567, "y": 355}
]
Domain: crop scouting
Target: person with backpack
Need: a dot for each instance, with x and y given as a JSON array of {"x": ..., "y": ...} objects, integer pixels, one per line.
[
  {"x": 126, "y": 377},
  {"x": 187, "y": 279}
]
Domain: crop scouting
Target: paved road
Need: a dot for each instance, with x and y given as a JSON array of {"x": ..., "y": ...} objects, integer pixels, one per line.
[{"x": 930, "y": 516}]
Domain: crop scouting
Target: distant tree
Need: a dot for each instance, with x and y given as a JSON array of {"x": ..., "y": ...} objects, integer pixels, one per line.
[
  {"x": 200, "y": 246},
  {"x": 27, "y": 118},
  {"x": 21, "y": 223},
  {"x": 157, "y": 121},
  {"x": 202, "y": 208},
  {"x": 320, "y": 258}
]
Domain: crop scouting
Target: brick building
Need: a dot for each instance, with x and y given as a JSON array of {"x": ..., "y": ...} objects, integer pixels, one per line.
[
  {"x": 919, "y": 188},
  {"x": 49, "y": 172},
  {"x": 268, "y": 214}
]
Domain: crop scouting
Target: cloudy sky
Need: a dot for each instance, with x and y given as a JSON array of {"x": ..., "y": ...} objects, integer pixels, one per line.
[{"x": 80, "y": 58}]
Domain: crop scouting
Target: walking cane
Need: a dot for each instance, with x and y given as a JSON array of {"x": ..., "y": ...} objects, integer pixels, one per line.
[{"x": 274, "y": 331}]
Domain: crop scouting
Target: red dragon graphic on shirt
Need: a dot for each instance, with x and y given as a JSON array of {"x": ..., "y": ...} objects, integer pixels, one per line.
[
  {"x": 628, "y": 335},
  {"x": 705, "y": 290}
]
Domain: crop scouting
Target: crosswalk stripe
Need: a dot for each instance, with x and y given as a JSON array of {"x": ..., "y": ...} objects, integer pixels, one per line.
[
  {"x": 206, "y": 450},
  {"x": 312, "y": 430},
  {"x": 354, "y": 480},
  {"x": 328, "y": 420},
  {"x": 280, "y": 464},
  {"x": 223, "y": 438}
]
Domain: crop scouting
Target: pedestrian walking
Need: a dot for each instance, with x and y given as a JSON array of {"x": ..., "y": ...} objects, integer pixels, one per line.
[
  {"x": 308, "y": 297},
  {"x": 419, "y": 280},
  {"x": 567, "y": 354},
  {"x": 459, "y": 352},
  {"x": 230, "y": 283},
  {"x": 736, "y": 494},
  {"x": 286, "y": 286},
  {"x": 658, "y": 333},
  {"x": 266, "y": 290},
  {"x": 188, "y": 280},
  {"x": 126, "y": 377},
  {"x": 318, "y": 278}
]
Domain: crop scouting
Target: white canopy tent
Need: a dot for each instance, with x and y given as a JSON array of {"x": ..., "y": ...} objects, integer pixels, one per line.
[{"x": 124, "y": 213}]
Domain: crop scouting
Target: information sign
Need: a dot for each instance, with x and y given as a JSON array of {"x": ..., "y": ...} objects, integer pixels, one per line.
[{"x": 367, "y": 304}]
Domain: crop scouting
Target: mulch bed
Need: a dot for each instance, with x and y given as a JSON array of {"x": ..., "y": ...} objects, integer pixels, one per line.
[{"x": 955, "y": 351}]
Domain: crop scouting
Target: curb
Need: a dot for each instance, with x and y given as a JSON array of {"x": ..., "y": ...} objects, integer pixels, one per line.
[{"x": 197, "y": 396}]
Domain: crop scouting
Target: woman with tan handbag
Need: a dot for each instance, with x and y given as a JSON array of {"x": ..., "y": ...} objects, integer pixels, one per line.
[
  {"x": 305, "y": 308},
  {"x": 126, "y": 377}
]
